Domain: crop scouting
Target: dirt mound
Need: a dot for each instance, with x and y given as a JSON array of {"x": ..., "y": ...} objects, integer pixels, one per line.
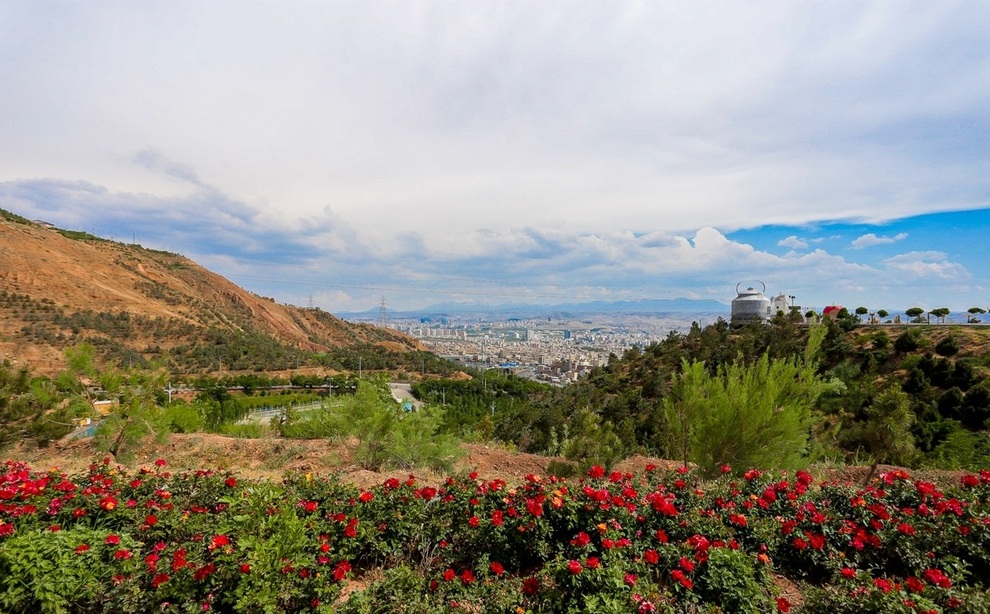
[{"x": 273, "y": 458}]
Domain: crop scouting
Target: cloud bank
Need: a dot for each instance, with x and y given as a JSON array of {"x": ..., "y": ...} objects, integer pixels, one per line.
[{"x": 512, "y": 152}]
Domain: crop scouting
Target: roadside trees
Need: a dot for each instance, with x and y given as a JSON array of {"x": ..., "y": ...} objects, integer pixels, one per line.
[
  {"x": 940, "y": 313},
  {"x": 973, "y": 313},
  {"x": 915, "y": 314}
]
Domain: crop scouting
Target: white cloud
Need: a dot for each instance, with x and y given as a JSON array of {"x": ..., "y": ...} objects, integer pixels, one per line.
[
  {"x": 441, "y": 119},
  {"x": 580, "y": 145},
  {"x": 793, "y": 242},
  {"x": 927, "y": 264},
  {"x": 871, "y": 239}
]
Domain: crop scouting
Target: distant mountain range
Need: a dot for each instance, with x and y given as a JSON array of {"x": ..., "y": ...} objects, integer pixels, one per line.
[{"x": 642, "y": 307}]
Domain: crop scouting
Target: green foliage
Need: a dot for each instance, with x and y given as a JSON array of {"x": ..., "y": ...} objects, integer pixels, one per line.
[
  {"x": 182, "y": 417},
  {"x": 962, "y": 449},
  {"x": 887, "y": 428},
  {"x": 948, "y": 346},
  {"x": 915, "y": 313},
  {"x": 756, "y": 415},
  {"x": 388, "y": 436},
  {"x": 590, "y": 442},
  {"x": 41, "y": 572},
  {"x": 31, "y": 408},
  {"x": 906, "y": 342},
  {"x": 736, "y": 582}
]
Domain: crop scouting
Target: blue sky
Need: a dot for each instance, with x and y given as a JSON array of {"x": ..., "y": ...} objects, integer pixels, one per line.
[{"x": 511, "y": 152}]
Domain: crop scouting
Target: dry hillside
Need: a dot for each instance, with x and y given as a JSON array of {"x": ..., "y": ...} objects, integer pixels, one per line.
[{"x": 58, "y": 288}]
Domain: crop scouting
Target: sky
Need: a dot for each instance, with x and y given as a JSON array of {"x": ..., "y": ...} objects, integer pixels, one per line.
[{"x": 338, "y": 154}]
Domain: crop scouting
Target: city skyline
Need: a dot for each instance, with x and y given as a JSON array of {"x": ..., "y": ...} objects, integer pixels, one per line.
[{"x": 330, "y": 154}]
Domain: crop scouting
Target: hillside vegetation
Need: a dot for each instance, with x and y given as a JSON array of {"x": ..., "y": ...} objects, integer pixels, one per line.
[
  {"x": 909, "y": 395},
  {"x": 139, "y": 307}
]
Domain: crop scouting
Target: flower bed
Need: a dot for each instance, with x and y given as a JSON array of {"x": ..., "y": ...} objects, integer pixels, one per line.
[{"x": 110, "y": 541}]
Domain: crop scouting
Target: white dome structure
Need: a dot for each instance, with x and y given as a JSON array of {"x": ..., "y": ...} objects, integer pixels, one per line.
[{"x": 750, "y": 305}]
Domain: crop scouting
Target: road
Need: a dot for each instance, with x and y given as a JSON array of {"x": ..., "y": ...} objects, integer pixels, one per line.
[{"x": 403, "y": 394}]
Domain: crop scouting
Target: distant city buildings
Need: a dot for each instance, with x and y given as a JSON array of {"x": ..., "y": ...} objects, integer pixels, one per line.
[{"x": 557, "y": 351}]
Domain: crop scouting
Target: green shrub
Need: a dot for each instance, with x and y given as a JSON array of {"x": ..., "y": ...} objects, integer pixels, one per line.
[
  {"x": 184, "y": 418},
  {"x": 734, "y": 580},
  {"x": 906, "y": 342},
  {"x": 746, "y": 415}
]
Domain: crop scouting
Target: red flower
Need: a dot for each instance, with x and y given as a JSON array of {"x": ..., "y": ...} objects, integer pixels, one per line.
[
  {"x": 531, "y": 586},
  {"x": 882, "y": 584},
  {"x": 726, "y": 469},
  {"x": 596, "y": 472},
  {"x": 651, "y": 556},
  {"x": 341, "y": 570},
  {"x": 449, "y": 575},
  {"x": 366, "y": 496},
  {"x": 245, "y": 568},
  {"x": 473, "y": 521},
  {"x": 467, "y": 577},
  {"x": 108, "y": 503},
  {"x": 218, "y": 541},
  {"x": 581, "y": 540},
  {"x": 112, "y": 540},
  {"x": 122, "y": 554},
  {"x": 535, "y": 506},
  {"x": 848, "y": 572},
  {"x": 592, "y": 562},
  {"x": 679, "y": 576},
  {"x": 6, "y": 528},
  {"x": 230, "y": 482},
  {"x": 938, "y": 578},
  {"x": 204, "y": 571},
  {"x": 497, "y": 518},
  {"x": 914, "y": 584},
  {"x": 81, "y": 548},
  {"x": 800, "y": 544},
  {"x": 159, "y": 579},
  {"x": 574, "y": 567},
  {"x": 783, "y": 605},
  {"x": 496, "y": 568}
]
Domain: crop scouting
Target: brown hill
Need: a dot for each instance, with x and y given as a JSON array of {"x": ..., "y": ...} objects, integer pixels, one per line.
[{"x": 59, "y": 288}]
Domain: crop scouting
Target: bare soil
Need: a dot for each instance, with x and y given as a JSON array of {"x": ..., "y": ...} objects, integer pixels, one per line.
[{"x": 273, "y": 458}]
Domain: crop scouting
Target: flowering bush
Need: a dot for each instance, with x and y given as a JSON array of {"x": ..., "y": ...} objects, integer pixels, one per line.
[{"x": 112, "y": 541}]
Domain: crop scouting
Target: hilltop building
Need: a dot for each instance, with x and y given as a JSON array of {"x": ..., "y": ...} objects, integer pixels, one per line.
[{"x": 752, "y": 305}]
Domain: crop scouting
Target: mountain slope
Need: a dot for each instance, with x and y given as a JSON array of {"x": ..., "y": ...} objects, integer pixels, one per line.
[{"x": 59, "y": 288}]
